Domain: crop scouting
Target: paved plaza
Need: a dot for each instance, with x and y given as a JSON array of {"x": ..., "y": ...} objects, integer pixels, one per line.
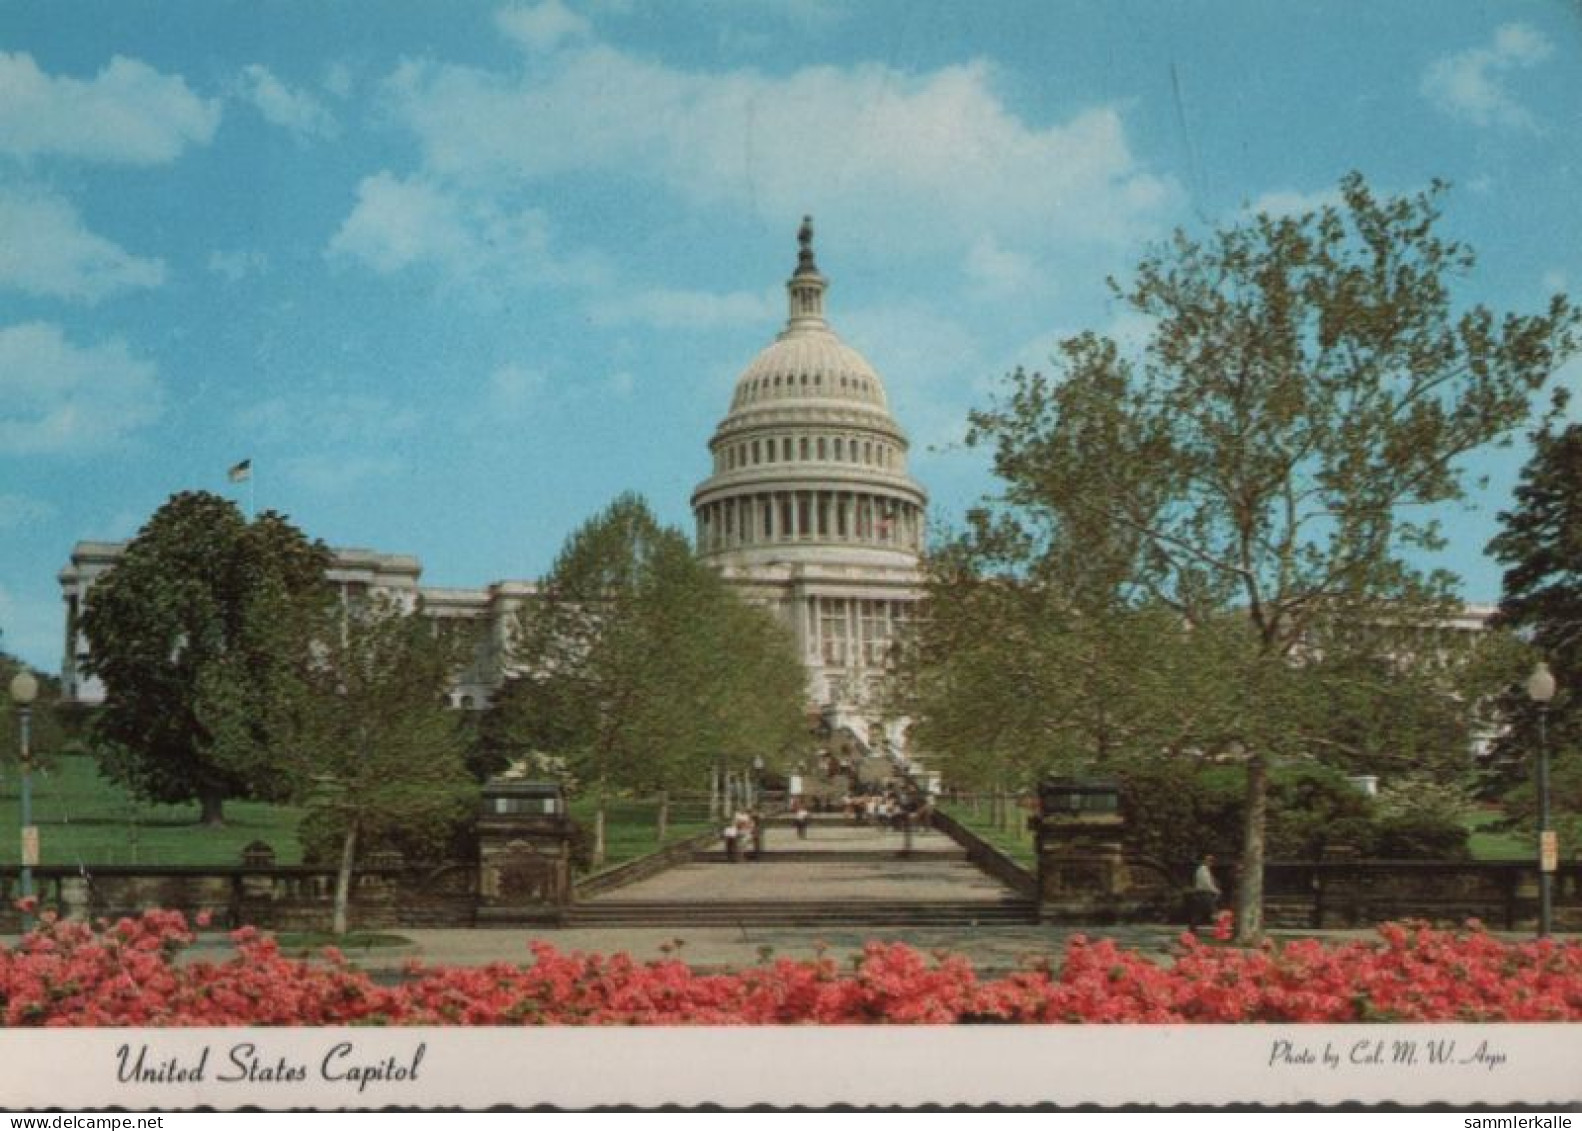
[{"x": 837, "y": 862}]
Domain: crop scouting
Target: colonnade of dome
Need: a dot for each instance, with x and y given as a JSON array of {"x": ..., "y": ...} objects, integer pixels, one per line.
[{"x": 809, "y": 507}]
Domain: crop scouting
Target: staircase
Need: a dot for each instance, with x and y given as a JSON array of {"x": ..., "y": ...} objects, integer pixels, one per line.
[{"x": 801, "y": 913}]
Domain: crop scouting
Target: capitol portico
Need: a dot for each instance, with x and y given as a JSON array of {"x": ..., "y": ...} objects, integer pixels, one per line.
[{"x": 809, "y": 509}]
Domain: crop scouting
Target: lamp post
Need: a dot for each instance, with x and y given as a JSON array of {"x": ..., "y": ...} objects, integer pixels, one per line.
[
  {"x": 24, "y": 689},
  {"x": 1541, "y": 689}
]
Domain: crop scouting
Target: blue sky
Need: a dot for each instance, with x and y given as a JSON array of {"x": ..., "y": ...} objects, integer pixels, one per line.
[{"x": 453, "y": 275}]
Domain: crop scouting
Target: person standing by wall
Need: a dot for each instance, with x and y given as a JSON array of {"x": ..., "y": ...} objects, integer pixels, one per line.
[{"x": 1203, "y": 899}]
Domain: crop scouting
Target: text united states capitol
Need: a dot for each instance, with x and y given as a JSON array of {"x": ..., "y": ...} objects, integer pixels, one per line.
[{"x": 245, "y": 1063}]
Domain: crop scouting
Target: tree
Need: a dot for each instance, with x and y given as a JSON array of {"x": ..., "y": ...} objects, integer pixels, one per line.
[
  {"x": 1540, "y": 546},
  {"x": 354, "y": 725},
  {"x": 1308, "y": 389},
  {"x": 175, "y": 603},
  {"x": 639, "y": 668}
]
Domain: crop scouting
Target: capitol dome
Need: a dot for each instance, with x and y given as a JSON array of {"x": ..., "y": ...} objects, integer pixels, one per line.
[{"x": 808, "y": 463}]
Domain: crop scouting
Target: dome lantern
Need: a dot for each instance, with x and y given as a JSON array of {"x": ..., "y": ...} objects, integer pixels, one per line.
[{"x": 806, "y": 286}]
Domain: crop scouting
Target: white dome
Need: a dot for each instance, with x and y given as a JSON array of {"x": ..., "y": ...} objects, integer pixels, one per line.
[{"x": 809, "y": 362}]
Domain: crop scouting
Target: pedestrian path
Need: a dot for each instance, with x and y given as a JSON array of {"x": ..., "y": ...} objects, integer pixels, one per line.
[{"x": 841, "y": 874}]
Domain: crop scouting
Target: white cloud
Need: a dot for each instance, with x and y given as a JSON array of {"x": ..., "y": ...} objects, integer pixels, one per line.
[
  {"x": 914, "y": 162},
  {"x": 238, "y": 265},
  {"x": 46, "y": 250},
  {"x": 1555, "y": 279},
  {"x": 20, "y": 511},
  {"x": 543, "y": 27},
  {"x": 59, "y": 398},
  {"x": 667, "y": 309},
  {"x": 399, "y": 224},
  {"x": 339, "y": 80},
  {"x": 1000, "y": 271},
  {"x": 1470, "y": 85},
  {"x": 1290, "y": 202},
  {"x": 129, "y": 113},
  {"x": 513, "y": 389},
  {"x": 292, "y": 109}
]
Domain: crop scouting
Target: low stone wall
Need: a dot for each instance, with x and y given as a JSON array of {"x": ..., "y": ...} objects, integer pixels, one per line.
[
  {"x": 643, "y": 867},
  {"x": 1357, "y": 893},
  {"x": 987, "y": 858},
  {"x": 1297, "y": 895},
  {"x": 277, "y": 898}
]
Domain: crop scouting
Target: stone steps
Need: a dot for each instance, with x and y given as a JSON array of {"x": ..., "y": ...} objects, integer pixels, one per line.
[
  {"x": 808, "y": 913},
  {"x": 924, "y": 853}
]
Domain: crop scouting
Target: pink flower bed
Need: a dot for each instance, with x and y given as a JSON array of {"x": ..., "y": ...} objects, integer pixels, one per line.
[{"x": 126, "y": 973}]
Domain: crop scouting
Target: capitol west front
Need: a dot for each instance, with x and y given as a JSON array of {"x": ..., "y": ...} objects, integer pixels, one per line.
[{"x": 808, "y": 509}]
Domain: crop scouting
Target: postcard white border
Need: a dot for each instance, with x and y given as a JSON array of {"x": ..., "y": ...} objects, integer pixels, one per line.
[{"x": 568, "y": 1067}]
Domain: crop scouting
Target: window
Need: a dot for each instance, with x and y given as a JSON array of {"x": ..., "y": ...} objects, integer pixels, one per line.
[
  {"x": 785, "y": 449},
  {"x": 833, "y": 635},
  {"x": 821, "y": 448},
  {"x": 802, "y": 448},
  {"x": 874, "y": 629},
  {"x": 839, "y": 454},
  {"x": 755, "y": 451}
]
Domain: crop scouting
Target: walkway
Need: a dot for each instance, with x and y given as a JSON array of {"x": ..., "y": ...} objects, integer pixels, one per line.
[{"x": 841, "y": 876}]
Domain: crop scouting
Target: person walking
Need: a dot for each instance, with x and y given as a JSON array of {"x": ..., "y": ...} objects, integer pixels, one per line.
[
  {"x": 801, "y": 817},
  {"x": 1203, "y": 899}
]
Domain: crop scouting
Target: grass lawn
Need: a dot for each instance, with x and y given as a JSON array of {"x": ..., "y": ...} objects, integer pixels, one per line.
[
  {"x": 1017, "y": 843},
  {"x": 1491, "y": 843},
  {"x": 84, "y": 819},
  {"x": 631, "y": 825}
]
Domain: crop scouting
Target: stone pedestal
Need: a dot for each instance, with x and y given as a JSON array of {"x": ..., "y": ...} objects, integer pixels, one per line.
[
  {"x": 524, "y": 853},
  {"x": 1080, "y": 837},
  {"x": 1082, "y": 868}
]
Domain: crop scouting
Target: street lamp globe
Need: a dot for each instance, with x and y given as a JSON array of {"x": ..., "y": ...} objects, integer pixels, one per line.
[
  {"x": 24, "y": 688},
  {"x": 1541, "y": 684}
]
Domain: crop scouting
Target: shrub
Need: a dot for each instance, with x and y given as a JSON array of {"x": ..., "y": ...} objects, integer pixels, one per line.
[
  {"x": 1421, "y": 837},
  {"x": 128, "y": 974},
  {"x": 1177, "y": 810}
]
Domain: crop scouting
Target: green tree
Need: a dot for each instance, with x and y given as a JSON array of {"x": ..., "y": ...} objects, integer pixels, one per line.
[
  {"x": 1540, "y": 546},
  {"x": 1307, "y": 392},
  {"x": 640, "y": 668},
  {"x": 176, "y": 602},
  {"x": 354, "y": 726}
]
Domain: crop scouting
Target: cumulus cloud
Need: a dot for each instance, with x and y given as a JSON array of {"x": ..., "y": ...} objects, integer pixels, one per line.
[
  {"x": 1470, "y": 85},
  {"x": 290, "y": 108},
  {"x": 467, "y": 237},
  {"x": 513, "y": 389},
  {"x": 57, "y": 398},
  {"x": 45, "y": 250},
  {"x": 1000, "y": 271},
  {"x": 238, "y": 265},
  {"x": 916, "y": 161},
  {"x": 1290, "y": 202},
  {"x": 129, "y": 113},
  {"x": 543, "y": 27}
]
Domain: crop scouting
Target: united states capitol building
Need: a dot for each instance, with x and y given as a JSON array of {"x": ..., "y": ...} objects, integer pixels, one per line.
[{"x": 808, "y": 509}]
